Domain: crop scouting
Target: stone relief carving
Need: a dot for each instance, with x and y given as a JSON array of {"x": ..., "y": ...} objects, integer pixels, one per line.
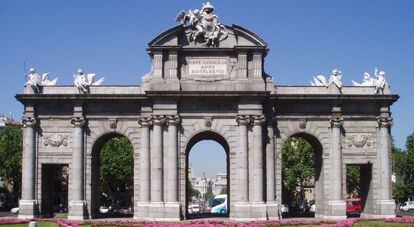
[
  {"x": 113, "y": 123},
  {"x": 35, "y": 81},
  {"x": 83, "y": 83},
  {"x": 56, "y": 140},
  {"x": 205, "y": 25},
  {"x": 335, "y": 79},
  {"x": 302, "y": 123},
  {"x": 359, "y": 140}
]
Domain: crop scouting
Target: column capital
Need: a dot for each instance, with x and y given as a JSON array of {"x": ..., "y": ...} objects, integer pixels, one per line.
[
  {"x": 77, "y": 121},
  {"x": 258, "y": 120},
  {"x": 172, "y": 119},
  {"x": 158, "y": 119},
  {"x": 144, "y": 122},
  {"x": 384, "y": 121},
  {"x": 28, "y": 122},
  {"x": 337, "y": 122},
  {"x": 243, "y": 119}
]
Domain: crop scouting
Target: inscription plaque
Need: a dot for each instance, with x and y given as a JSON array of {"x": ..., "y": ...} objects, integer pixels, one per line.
[{"x": 208, "y": 68}]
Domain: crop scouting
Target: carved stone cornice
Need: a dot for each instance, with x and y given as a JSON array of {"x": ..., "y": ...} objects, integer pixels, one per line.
[
  {"x": 337, "y": 122},
  {"x": 172, "y": 119},
  {"x": 258, "y": 120},
  {"x": 78, "y": 121},
  {"x": 158, "y": 120},
  {"x": 384, "y": 121},
  {"x": 243, "y": 119},
  {"x": 145, "y": 122},
  {"x": 28, "y": 122}
]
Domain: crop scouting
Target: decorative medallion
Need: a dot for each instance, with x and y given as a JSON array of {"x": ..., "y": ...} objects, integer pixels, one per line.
[{"x": 359, "y": 140}]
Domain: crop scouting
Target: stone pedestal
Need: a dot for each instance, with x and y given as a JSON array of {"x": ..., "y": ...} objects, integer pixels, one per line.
[
  {"x": 337, "y": 209},
  {"x": 240, "y": 211},
  {"x": 28, "y": 208},
  {"x": 171, "y": 211},
  {"x": 141, "y": 211},
  {"x": 272, "y": 210},
  {"x": 156, "y": 211},
  {"x": 76, "y": 210}
]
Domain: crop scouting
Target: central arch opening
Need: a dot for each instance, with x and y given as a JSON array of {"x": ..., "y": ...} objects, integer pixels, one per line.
[
  {"x": 207, "y": 176},
  {"x": 112, "y": 182}
]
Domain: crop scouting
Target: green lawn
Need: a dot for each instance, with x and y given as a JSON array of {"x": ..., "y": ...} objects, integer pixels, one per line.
[
  {"x": 381, "y": 223},
  {"x": 39, "y": 224}
]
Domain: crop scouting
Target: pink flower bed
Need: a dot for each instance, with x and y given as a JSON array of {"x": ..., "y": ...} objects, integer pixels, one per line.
[{"x": 207, "y": 223}]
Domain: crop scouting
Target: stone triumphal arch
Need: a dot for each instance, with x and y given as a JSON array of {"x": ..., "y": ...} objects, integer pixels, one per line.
[{"x": 207, "y": 82}]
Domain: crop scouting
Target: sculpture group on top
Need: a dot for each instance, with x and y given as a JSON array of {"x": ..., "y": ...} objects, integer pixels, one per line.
[
  {"x": 336, "y": 79},
  {"x": 205, "y": 25},
  {"x": 83, "y": 83},
  {"x": 35, "y": 81}
]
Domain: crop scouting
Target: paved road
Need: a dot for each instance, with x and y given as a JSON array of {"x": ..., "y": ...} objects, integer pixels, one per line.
[
  {"x": 7, "y": 214},
  {"x": 405, "y": 214}
]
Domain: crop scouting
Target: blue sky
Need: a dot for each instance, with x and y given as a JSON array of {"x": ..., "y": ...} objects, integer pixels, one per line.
[{"x": 305, "y": 38}]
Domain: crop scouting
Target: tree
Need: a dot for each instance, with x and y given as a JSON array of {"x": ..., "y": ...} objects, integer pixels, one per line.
[
  {"x": 403, "y": 167},
  {"x": 353, "y": 179},
  {"x": 11, "y": 158},
  {"x": 117, "y": 167},
  {"x": 223, "y": 190},
  {"x": 298, "y": 167},
  {"x": 191, "y": 192},
  {"x": 208, "y": 196}
]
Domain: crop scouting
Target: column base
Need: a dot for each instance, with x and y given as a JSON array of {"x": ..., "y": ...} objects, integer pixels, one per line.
[
  {"x": 172, "y": 211},
  {"x": 141, "y": 211},
  {"x": 386, "y": 209},
  {"x": 28, "y": 209},
  {"x": 272, "y": 210},
  {"x": 77, "y": 210},
  {"x": 337, "y": 209},
  {"x": 248, "y": 211}
]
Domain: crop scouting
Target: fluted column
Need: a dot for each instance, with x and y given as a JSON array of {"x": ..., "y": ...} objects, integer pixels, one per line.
[
  {"x": 76, "y": 205},
  {"x": 256, "y": 161},
  {"x": 242, "y": 157},
  {"x": 171, "y": 160},
  {"x": 28, "y": 201},
  {"x": 144, "y": 157},
  {"x": 336, "y": 159},
  {"x": 270, "y": 162},
  {"x": 384, "y": 174},
  {"x": 157, "y": 160}
]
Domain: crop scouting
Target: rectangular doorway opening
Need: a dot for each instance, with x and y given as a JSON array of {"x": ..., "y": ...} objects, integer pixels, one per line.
[
  {"x": 55, "y": 181},
  {"x": 358, "y": 182}
]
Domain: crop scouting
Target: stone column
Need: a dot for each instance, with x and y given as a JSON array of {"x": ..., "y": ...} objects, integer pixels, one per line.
[
  {"x": 385, "y": 203},
  {"x": 172, "y": 207},
  {"x": 144, "y": 169},
  {"x": 258, "y": 210},
  {"x": 242, "y": 205},
  {"x": 28, "y": 202},
  {"x": 157, "y": 204},
  {"x": 77, "y": 202},
  {"x": 337, "y": 204},
  {"x": 272, "y": 207}
]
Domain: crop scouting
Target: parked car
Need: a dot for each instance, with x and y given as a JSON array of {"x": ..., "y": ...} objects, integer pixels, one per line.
[
  {"x": 312, "y": 208},
  {"x": 284, "y": 208},
  {"x": 14, "y": 210},
  {"x": 104, "y": 210},
  {"x": 407, "y": 205},
  {"x": 195, "y": 209},
  {"x": 353, "y": 206}
]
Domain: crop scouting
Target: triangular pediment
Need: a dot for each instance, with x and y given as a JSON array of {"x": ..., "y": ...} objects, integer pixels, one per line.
[{"x": 180, "y": 36}]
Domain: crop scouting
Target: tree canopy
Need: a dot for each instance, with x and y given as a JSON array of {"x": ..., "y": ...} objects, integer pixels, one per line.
[
  {"x": 403, "y": 167},
  {"x": 117, "y": 167},
  {"x": 298, "y": 167},
  {"x": 11, "y": 158}
]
